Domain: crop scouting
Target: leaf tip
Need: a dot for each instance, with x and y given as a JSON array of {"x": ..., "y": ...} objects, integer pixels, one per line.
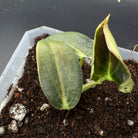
[
  {"x": 107, "y": 18},
  {"x": 127, "y": 86}
]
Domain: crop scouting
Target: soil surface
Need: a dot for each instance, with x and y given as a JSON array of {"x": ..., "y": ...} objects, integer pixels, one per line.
[{"x": 102, "y": 111}]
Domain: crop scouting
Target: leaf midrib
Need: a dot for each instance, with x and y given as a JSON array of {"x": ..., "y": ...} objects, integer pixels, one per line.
[{"x": 64, "y": 99}]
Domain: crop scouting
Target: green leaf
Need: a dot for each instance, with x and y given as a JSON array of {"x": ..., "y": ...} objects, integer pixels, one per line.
[
  {"x": 107, "y": 63},
  {"x": 59, "y": 73},
  {"x": 77, "y": 41}
]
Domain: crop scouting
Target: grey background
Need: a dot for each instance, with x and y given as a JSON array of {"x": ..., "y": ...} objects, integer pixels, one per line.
[{"x": 17, "y": 16}]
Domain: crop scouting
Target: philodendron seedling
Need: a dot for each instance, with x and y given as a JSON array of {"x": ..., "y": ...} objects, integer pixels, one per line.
[{"x": 59, "y": 60}]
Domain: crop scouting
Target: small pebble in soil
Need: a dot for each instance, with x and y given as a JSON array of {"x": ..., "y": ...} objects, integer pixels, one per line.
[
  {"x": 13, "y": 126},
  {"x": 2, "y": 130},
  {"x": 107, "y": 99},
  {"x": 17, "y": 112},
  {"x": 65, "y": 122},
  {"x": 20, "y": 124},
  {"x": 32, "y": 100},
  {"x": 98, "y": 130},
  {"x": 135, "y": 135},
  {"x": 130, "y": 122},
  {"x": 44, "y": 106},
  {"x": 19, "y": 89},
  {"x": 101, "y": 132},
  {"x": 91, "y": 110},
  {"x": 98, "y": 98},
  {"x": 26, "y": 121},
  {"x": 111, "y": 104}
]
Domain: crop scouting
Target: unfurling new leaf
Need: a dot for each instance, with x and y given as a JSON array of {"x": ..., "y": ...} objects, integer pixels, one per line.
[{"x": 107, "y": 63}]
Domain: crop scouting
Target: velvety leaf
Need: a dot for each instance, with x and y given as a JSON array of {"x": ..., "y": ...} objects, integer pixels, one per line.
[
  {"x": 59, "y": 73},
  {"x": 79, "y": 42},
  {"x": 107, "y": 63}
]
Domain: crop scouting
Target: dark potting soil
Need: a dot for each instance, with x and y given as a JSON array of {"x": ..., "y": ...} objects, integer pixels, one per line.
[{"x": 102, "y": 111}]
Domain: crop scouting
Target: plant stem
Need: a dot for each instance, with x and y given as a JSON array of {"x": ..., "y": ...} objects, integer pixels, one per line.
[{"x": 90, "y": 85}]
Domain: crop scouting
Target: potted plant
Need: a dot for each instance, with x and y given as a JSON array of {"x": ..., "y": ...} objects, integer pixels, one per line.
[{"x": 58, "y": 106}]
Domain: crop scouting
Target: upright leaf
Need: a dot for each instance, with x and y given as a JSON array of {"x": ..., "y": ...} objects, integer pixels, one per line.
[
  {"x": 59, "y": 73},
  {"x": 107, "y": 63},
  {"x": 77, "y": 41}
]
